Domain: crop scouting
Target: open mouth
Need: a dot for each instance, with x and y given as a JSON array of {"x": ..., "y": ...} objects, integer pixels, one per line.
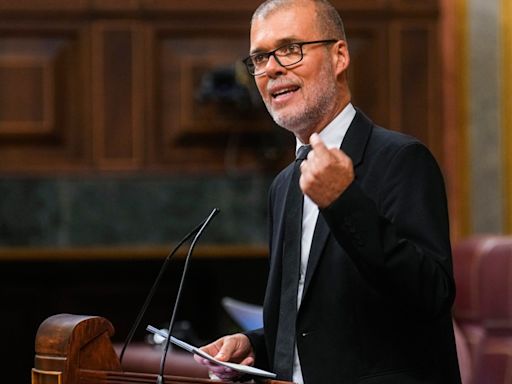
[{"x": 284, "y": 91}]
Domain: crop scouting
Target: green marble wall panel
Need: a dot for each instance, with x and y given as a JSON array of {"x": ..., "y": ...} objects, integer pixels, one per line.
[{"x": 125, "y": 211}]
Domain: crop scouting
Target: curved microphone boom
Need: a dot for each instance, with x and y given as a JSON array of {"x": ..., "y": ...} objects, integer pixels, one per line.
[
  {"x": 160, "y": 378},
  {"x": 151, "y": 293}
]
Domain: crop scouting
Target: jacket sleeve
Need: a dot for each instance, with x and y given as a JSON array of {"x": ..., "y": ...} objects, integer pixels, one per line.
[
  {"x": 257, "y": 339},
  {"x": 399, "y": 237}
]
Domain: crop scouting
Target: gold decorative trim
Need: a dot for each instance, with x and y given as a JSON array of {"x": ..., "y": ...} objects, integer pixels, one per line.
[
  {"x": 506, "y": 113},
  {"x": 462, "y": 36},
  {"x": 455, "y": 43},
  {"x": 40, "y": 376}
]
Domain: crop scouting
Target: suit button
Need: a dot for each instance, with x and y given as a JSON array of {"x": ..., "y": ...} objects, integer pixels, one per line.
[{"x": 304, "y": 334}]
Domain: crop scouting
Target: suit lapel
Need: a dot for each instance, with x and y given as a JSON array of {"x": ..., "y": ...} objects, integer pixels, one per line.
[
  {"x": 356, "y": 138},
  {"x": 354, "y": 145},
  {"x": 277, "y": 206}
]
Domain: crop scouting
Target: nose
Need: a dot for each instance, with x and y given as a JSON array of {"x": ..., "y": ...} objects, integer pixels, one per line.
[{"x": 273, "y": 68}]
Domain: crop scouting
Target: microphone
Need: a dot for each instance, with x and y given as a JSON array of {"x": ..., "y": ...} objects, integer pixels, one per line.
[
  {"x": 160, "y": 378},
  {"x": 198, "y": 229}
]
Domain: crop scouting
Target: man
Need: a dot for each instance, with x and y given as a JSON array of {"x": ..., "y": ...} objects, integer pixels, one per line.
[{"x": 375, "y": 285}]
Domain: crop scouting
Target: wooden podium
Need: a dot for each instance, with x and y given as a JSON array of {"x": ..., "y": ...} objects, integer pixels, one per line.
[{"x": 72, "y": 349}]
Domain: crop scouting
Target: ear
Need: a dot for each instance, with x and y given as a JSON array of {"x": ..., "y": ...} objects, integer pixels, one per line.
[{"x": 341, "y": 56}]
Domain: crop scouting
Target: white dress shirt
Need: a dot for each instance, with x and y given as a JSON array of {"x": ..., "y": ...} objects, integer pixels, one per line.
[{"x": 332, "y": 135}]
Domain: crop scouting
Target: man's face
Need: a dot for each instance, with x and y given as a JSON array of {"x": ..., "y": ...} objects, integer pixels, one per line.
[{"x": 300, "y": 98}]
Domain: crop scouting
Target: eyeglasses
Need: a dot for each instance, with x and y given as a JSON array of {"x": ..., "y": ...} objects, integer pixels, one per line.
[{"x": 286, "y": 56}]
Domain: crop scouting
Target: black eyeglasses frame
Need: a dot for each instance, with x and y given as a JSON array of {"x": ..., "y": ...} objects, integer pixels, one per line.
[{"x": 248, "y": 61}]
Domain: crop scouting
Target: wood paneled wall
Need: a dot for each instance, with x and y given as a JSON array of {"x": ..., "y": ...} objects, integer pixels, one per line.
[{"x": 118, "y": 85}]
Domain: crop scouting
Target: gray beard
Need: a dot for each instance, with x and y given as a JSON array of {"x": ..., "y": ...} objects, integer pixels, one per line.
[{"x": 313, "y": 113}]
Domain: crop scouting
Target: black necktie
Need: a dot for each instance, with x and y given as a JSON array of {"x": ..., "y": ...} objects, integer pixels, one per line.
[{"x": 285, "y": 340}]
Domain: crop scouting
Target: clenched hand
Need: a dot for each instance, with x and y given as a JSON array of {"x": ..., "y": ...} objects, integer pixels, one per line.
[{"x": 326, "y": 173}]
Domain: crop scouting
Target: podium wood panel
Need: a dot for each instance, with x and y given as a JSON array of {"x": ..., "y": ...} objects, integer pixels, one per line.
[{"x": 74, "y": 349}]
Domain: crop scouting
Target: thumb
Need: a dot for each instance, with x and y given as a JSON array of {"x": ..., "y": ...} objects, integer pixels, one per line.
[{"x": 225, "y": 352}]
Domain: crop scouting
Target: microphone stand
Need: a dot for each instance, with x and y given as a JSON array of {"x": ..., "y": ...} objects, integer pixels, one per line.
[
  {"x": 160, "y": 378},
  {"x": 152, "y": 291}
]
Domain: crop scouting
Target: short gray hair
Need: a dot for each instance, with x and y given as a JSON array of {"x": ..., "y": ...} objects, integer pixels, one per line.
[{"x": 328, "y": 20}]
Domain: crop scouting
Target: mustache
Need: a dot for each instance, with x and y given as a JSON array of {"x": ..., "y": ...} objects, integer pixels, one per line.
[{"x": 281, "y": 83}]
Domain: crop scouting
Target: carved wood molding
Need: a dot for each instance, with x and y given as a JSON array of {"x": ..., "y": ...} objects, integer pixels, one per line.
[{"x": 140, "y": 85}]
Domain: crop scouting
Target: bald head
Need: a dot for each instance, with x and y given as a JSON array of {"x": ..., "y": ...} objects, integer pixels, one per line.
[{"x": 328, "y": 21}]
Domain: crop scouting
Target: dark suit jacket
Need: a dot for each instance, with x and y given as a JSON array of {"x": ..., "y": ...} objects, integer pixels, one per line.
[{"x": 376, "y": 306}]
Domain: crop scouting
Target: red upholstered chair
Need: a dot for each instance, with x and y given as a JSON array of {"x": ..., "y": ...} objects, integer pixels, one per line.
[
  {"x": 464, "y": 355},
  {"x": 483, "y": 307}
]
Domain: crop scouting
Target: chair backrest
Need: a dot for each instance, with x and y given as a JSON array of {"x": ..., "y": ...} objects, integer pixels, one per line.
[
  {"x": 463, "y": 354},
  {"x": 483, "y": 307}
]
